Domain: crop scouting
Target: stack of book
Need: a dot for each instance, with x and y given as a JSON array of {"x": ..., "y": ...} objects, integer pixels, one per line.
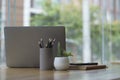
[{"x": 86, "y": 66}]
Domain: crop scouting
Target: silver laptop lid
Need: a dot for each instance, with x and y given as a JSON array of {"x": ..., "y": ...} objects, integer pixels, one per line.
[{"x": 21, "y": 44}]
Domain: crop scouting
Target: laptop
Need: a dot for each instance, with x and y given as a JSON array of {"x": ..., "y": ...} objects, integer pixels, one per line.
[{"x": 21, "y": 43}]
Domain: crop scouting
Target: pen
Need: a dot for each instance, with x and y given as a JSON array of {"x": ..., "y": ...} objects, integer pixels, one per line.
[
  {"x": 53, "y": 42},
  {"x": 41, "y": 44},
  {"x": 48, "y": 45}
]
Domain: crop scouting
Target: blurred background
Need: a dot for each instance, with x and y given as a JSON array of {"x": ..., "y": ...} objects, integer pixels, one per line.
[{"x": 92, "y": 26}]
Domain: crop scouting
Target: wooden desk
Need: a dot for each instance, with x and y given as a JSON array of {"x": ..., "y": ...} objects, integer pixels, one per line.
[{"x": 113, "y": 72}]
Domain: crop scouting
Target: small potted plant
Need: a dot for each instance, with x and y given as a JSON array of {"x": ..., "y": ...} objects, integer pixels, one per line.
[{"x": 61, "y": 62}]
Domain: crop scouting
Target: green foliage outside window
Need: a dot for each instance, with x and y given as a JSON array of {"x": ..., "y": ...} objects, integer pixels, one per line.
[
  {"x": 60, "y": 14},
  {"x": 70, "y": 16}
]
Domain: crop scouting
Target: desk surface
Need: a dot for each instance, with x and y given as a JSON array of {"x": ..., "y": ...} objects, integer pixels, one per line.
[{"x": 111, "y": 73}]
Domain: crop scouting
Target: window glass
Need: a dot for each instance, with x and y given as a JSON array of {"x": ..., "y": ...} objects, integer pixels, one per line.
[
  {"x": 35, "y": 4},
  {"x": 0, "y": 30},
  {"x": 103, "y": 26},
  {"x": 92, "y": 26}
]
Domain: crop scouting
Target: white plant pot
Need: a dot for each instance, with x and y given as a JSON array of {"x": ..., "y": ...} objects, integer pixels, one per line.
[{"x": 61, "y": 63}]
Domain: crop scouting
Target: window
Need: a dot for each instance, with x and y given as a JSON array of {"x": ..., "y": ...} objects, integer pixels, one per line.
[
  {"x": 0, "y": 30},
  {"x": 92, "y": 31},
  {"x": 35, "y": 4}
]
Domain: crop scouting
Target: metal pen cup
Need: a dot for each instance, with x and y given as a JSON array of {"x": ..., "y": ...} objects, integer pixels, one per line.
[{"x": 46, "y": 59}]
